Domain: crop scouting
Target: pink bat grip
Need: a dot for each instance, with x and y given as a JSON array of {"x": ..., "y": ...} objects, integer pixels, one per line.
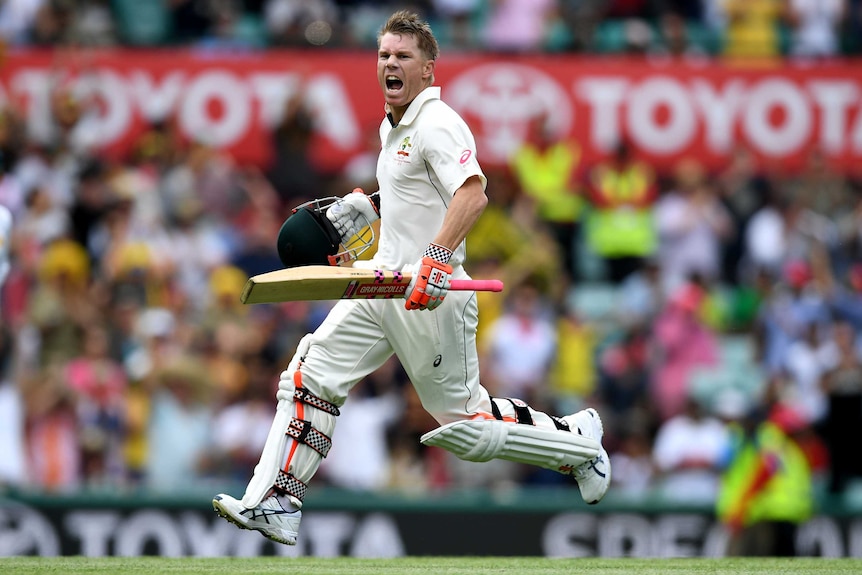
[{"x": 477, "y": 285}]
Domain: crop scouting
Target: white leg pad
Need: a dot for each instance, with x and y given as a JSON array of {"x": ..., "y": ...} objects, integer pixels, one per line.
[
  {"x": 305, "y": 460},
  {"x": 272, "y": 456},
  {"x": 486, "y": 439}
]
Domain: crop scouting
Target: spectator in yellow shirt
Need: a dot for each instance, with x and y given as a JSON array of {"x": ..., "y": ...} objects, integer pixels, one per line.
[{"x": 752, "y": 28}]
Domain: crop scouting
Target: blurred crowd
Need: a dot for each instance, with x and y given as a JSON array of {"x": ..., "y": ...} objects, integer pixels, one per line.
[
  {"x": 695, "y": 28},
  {"x": 696, "y": 309}
]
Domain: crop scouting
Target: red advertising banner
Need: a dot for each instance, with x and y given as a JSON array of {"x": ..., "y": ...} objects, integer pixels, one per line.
[{"x": 667, "y": 110}]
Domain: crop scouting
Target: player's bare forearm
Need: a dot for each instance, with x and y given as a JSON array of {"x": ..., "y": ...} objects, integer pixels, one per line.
[{"x": 467, "y": 205}]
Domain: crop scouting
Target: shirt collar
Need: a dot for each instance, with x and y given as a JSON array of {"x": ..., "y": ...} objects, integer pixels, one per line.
[{"x": 429, "y": 93}]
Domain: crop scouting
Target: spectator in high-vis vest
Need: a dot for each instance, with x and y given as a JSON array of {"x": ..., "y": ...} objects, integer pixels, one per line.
[
  {"x": 620, "y": 227},
  {"x": 750, "y": 28},
  {"x": 766, "y": 490},
  {"x": 545, "y": 167}
]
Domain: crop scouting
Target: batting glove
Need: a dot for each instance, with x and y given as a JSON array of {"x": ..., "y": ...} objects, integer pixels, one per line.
[
  {"x": 431, "y": 279},
  {"x": 352, "y": 213}
]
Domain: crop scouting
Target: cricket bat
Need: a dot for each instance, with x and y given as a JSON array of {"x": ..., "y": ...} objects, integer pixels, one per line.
[{"x": 307, "y": 283}]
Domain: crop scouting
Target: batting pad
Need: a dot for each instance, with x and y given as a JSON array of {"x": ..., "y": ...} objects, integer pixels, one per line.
[
  {"x": 298, "y": 439},
  {"x": 484, "y": 439},
  {"x": 267, "y": 468}
]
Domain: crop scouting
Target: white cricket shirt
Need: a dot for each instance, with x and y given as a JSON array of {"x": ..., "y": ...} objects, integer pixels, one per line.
[{"x": 423, "y": 161}]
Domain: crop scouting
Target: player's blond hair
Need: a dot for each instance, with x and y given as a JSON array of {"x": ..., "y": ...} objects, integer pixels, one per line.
[{"x": 408, "y": 23}]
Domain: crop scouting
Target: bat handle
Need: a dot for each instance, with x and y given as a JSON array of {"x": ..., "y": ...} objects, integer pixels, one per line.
[{"x": 476, "y": 285}]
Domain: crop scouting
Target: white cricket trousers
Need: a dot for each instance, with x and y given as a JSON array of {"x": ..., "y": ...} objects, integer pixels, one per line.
[{"x": 436, "y": 348}]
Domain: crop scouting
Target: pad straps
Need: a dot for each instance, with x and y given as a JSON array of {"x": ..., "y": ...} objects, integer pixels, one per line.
[
  {"x": 308, "y": 398},
  {"x": 522, "y": 413},
  {"x": 522, "y": 410},
  {"x": 561, "y": 424},
  {"x": 287, "y": 484},
  {"x": 302, "y": 432}
]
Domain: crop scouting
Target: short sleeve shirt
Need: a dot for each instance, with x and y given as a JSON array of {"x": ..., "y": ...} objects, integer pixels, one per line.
[{"x": 423, "y": 161}]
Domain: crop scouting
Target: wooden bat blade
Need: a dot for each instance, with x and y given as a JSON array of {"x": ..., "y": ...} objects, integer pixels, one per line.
[{"x": 313, "y": 283}]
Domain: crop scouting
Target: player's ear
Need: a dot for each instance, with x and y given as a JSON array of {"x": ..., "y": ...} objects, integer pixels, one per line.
[{"x": 428, "y": 70}]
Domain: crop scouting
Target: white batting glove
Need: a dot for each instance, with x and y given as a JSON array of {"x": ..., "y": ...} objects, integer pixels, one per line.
[{"x": 351, "y": 214}]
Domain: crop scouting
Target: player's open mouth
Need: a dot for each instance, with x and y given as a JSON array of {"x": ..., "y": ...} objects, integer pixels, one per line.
[{"x": 393, "y": 83}]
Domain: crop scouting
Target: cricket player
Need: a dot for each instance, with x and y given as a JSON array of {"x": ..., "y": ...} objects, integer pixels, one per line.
[{"x": 432, "y": 191}]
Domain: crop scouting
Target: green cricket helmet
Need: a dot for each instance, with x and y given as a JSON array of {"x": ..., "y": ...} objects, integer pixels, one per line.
[{"x": 307, "y": 237}]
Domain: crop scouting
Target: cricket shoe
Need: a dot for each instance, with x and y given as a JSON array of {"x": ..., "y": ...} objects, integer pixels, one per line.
[
  {"x": 270, "y": 518},
  {"x": 593, "y": 476}
]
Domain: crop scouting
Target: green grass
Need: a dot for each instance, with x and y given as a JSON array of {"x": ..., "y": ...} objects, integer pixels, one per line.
[{"x": 426, "y": 565}]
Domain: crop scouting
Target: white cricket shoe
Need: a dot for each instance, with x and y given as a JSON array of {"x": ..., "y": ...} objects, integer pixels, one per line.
[
  {"x": 269, "y": 517},
  {"x": 594, "y": 476}
]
